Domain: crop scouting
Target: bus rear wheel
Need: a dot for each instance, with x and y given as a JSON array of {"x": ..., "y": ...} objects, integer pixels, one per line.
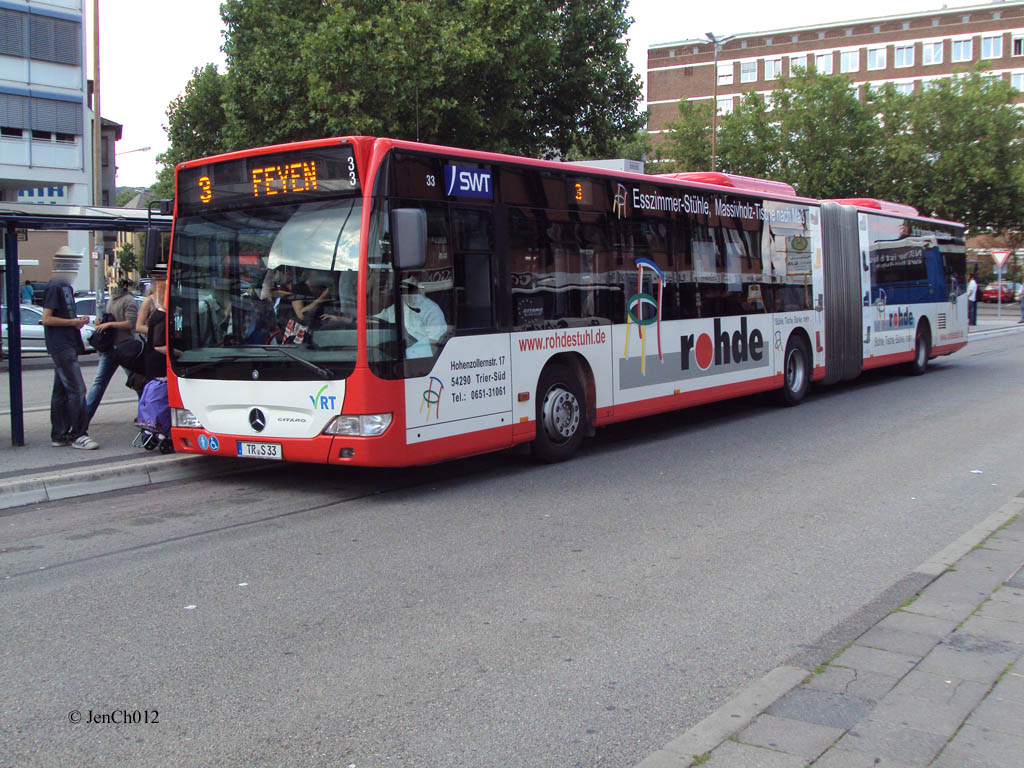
[
  {"x": 560, "y": 415},
  {"x": 796, "y": 372},
  {"x": 922, "y": 351}
]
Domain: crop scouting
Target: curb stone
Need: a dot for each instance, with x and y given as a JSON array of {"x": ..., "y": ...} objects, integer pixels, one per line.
[{"x": 53, "y": 486}]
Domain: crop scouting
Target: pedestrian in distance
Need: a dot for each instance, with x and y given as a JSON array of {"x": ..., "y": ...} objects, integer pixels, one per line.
[
  {"x": 972, "y": 300},
  {"x": 123, "y": 313},
  {"x": 28, "y": 293},
  {"x": 61, "y": 325}
]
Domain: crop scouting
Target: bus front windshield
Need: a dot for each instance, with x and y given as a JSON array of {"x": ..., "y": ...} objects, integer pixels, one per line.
[{"x": 266, "y": 292}]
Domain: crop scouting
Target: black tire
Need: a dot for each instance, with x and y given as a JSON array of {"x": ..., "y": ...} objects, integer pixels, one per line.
[
  {"x": 922, "y": 351},
  {"x": 561, "y": 414},
  {"x": 796, "y": 372}
]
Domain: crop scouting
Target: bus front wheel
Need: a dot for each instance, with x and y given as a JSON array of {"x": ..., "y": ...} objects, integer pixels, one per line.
[
  {"x": 560, "y": 415},
  {"x": 796, "y": 372}
]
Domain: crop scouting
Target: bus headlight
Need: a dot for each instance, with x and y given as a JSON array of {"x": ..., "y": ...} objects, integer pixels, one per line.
[
  {"x": 366, "y": 425},
  {"x": 182, "y": 417}
]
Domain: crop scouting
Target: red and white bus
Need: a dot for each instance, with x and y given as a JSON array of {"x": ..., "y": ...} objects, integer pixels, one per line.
[{"x": 538, "y": 300}]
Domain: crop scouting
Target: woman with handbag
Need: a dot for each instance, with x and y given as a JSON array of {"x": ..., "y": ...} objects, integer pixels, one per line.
[{"x": 118, "y": 321}]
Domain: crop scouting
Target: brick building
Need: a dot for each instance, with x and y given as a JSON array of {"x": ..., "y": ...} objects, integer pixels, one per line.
[{"x": 908, "y": 50}]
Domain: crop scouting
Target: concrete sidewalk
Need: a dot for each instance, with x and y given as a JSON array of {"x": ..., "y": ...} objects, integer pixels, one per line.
[{"x": 938, "y": 682}]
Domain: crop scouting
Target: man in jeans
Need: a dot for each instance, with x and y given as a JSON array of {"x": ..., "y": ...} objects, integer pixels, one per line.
[
  {"x": 124, "y": 312},
  {"x": 68, "y": 422}
]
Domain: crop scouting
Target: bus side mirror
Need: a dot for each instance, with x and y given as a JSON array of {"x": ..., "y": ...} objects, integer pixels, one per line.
[
  {"x": 409, "y": 226},
  {"x": 154, "y": 249}
]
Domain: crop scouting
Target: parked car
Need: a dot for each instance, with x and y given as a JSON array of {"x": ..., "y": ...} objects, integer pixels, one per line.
[
  {"x": 993, "y": 292},
  {"x": 85, "y": 303},
  {"x": 32, "y": 339}
]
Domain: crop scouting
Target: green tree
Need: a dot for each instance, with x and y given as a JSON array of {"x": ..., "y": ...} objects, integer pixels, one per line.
[
  {"x": 828, "y": 138},
  {"x": 548, "y": 78},
  {"x": 687, "y": 146},
  {"x": 748, "y": 140},
  {"x": 128, "y": 259},
  {"x": 196, "y": 123},
  {"x": 968, "y": 135}
]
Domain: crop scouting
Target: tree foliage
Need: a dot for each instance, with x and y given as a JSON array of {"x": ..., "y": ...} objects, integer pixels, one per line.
[
  {"x": 196, "y": 121},
  {"x": 953, "y": 150},
  {"x": 547, "y": 78},
  {"x": 688, "y": 146}
]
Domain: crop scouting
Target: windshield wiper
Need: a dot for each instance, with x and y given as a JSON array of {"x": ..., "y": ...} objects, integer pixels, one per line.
[
  {"x": 323, "y": 373},
  {"x": 196, "y": 367}
]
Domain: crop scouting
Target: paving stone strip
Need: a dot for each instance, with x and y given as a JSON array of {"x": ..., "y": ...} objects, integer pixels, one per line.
[{"x": 938, "y": 682}]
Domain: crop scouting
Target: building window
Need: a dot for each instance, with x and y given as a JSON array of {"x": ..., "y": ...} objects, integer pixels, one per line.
[
  {"x": 1017, "y": 45},
  {"x": 904, "y": 55},
  {"x": 55, "y": 40},
  {"x": 748, "y": 71},
  {"x": 996, "y": 16},
  {"x": 905, "y": 88},
  {"x": 12, "y": 32},
  {"x": 992, "y": 47},
  {"x": 876, "y": 58},
  {"x": 769, "y": 103},
  {"x": 725, "y": 74},
  {"x": 963, "y": 50},
  {"x": 11, "y": 133},
  {"x": 797, "y": 62},
  {"x": 772, "y": 69},
  {"x": 1017, "y": 81},
  {"x": 767, "y": 41},
  {"x": 878, "y": 29},
  {"x": 66, "y": 138},
  {"x": 725, "y": 105},
  {"x": 821, "y": 35},
  {"x": 42, "y": 136},
  {"x": 966, "y": 19},
  {"x": 906, "y": 25},
  {"x": 823, "y": 63},
  {"x": 849, "y": 61},
  {"x": 931, "y": 53},
  {"x": 935, "y": 22}
]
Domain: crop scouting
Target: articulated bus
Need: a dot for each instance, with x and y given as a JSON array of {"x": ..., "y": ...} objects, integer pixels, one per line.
[{"x": 379, "y": 302}]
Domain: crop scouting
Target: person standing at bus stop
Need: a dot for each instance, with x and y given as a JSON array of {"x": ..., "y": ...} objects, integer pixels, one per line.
[
  {"x": 972, "y": 300},
  {"x": 28, "y": 293},
  {"x": 61, "y": 326},
  {"x": 121, "y": 307}
]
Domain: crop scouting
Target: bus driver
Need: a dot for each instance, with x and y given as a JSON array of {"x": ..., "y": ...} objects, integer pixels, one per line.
[{"x": 423, "y": 320}]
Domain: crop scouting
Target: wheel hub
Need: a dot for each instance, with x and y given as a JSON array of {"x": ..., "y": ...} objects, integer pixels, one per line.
[{"x": 561, "y": 412}]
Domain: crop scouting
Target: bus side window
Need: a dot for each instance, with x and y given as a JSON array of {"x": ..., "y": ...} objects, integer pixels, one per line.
[{"x": 474, "y": 246}]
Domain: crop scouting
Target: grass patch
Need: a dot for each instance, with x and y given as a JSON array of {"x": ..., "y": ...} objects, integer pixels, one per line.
[{"x": 701, "y": 759}]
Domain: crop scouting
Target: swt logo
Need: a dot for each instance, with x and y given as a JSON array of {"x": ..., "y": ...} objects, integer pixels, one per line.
[
  {"x": 322, "y": 402},
  {"x": 739, "y": 349},
  {"x": 468, "y": 182}
]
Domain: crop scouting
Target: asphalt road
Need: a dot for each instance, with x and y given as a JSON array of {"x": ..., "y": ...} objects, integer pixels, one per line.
[{"x": 491, "y": 612}]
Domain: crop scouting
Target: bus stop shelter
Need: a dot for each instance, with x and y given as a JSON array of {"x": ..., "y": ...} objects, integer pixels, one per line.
[{"x": 15, "y": 216}]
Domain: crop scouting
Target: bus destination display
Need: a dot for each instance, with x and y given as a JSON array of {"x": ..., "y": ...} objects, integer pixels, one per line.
[{"x": 293, "y": 176}]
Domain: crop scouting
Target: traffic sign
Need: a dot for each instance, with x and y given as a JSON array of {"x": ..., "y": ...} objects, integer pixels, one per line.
[{"x": 1000, "y": 257}]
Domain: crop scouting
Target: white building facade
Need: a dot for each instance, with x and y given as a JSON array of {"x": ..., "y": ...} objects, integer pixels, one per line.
[{"x": 44, "y": 115}]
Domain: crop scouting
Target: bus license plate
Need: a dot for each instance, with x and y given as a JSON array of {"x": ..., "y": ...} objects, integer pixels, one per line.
[{"x": 260, "y": 450}]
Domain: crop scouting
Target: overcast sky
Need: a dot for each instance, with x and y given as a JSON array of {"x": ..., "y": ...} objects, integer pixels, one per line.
[{"x": 147, "y": 55}]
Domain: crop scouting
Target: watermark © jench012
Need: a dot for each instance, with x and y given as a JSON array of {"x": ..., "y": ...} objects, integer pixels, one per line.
[{"x": 115, "y": 717}]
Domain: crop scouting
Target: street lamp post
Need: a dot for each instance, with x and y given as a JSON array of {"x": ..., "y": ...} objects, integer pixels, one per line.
[{"x": 716, "y": 43}]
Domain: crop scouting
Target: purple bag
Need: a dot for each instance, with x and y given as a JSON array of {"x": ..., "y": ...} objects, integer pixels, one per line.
[{"x": 154, "y": 412}]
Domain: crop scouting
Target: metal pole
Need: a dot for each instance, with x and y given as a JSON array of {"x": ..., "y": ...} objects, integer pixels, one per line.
[
  {"x": 714, "y": 104},
  {"x": 999, "y": 294},
  {"x": 14, "y": 336},
  {"x": 97, "y": 133}
]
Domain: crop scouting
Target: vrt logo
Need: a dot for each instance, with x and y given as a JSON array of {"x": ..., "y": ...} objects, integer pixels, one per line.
[{"x": 322, "y": 402}]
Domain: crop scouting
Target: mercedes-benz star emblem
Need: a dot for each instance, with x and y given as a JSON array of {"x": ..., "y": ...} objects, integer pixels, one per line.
[{"x": 257, "y": 420}]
